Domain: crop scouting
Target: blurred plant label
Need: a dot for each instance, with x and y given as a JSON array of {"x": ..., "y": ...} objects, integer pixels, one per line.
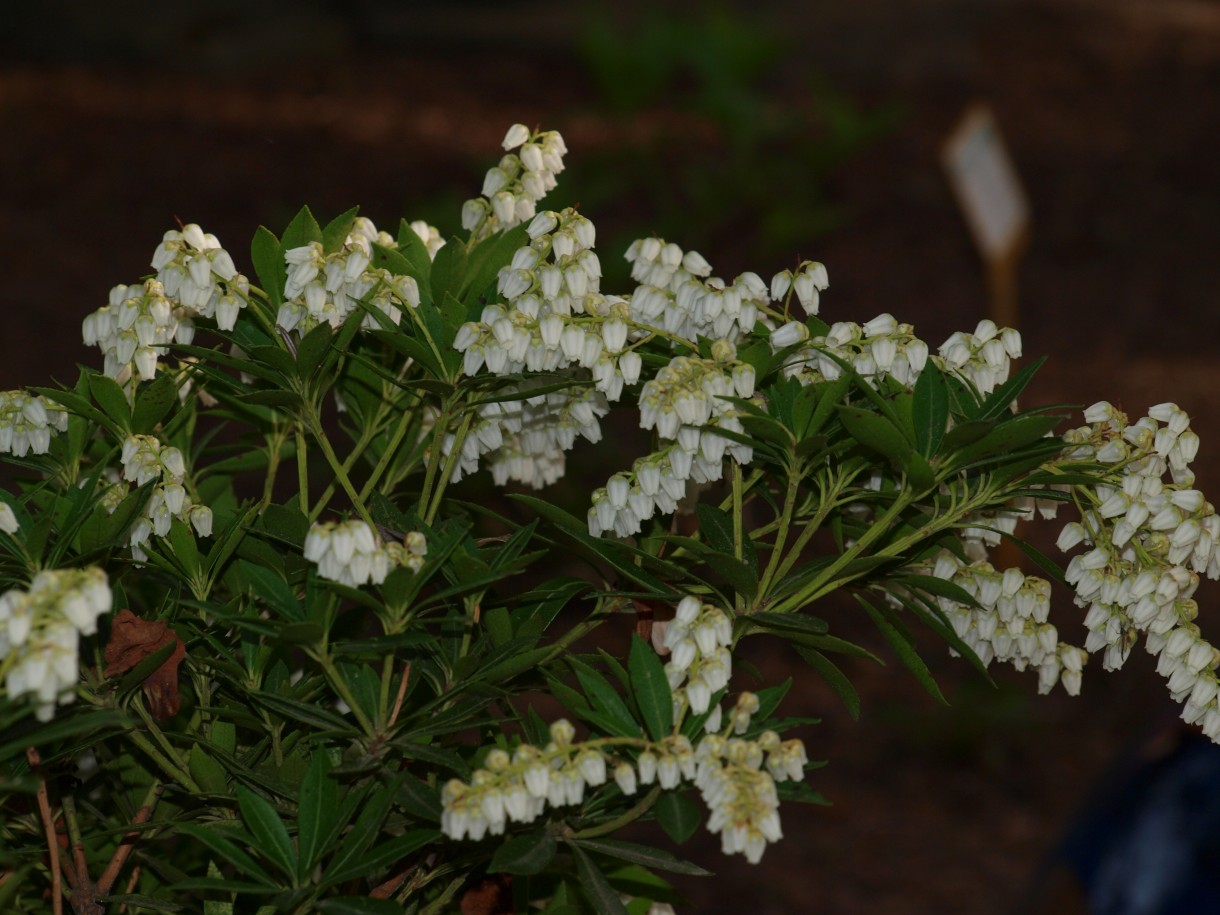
[{"x": 986, "y": 185}]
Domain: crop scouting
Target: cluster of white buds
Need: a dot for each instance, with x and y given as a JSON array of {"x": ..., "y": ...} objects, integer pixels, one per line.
[
  {"x": 737, "y": 781},
  {"x": 430, "y": 235},
  {"x": 146, "y": 460},
  {"x": 525, "y": 439},
  {"x": 8, "y": 520},
  {"x": 39, "y": 631},
  {"x": 878, "y": 348},
  {"x": 686, "y": 403},
  {"x": 513, "y": 187},
  {"x": 678, "y": 294},
  {"x": 351, "y": 553},
  {"x": 27, "y": 422},
  {"x": 1150, "y": 540},
  {"x": 699, "y": 639},
  {"x": 136, "y": 328},
  {"x": 983, "y": 357},
  {"x": 1010, "y": 622},
  {"x": 327, "y": 288},
  {"x": 189, "y": 264},
  {"x": 518, "y": 787},
  {"x": 808, "y": 283}
]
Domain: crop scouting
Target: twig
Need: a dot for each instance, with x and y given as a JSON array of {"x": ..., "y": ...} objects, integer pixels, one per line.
[
  {"x": 143, "y": 815},
  {"x": 402, "y": 694},
  {"x": 131, "y": 886},
  {"x": 48, "y": 825}
]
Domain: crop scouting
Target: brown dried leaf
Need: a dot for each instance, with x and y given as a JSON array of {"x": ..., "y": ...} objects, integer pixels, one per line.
[{"x": 131, "y": 641}]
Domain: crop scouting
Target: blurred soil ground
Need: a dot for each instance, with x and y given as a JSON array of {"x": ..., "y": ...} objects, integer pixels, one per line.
[{"x": 1111, "y": 114}]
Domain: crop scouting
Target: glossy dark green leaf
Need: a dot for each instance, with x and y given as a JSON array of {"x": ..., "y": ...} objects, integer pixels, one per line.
[
  {"x": 219, "y": 844},
  {"x": 930, "y": 410},
  {"x": 834, "y": 678},
  {"x": 316, "y": 813},
  {"x": 678, "y": 815},
  {"x": 383, "y": 854},
  {"x": 313, "y": 348},
  {"x": 111, "y": 398},
  {"x": 336, "y": 231},
  {"x": 528, "y": 854},
  {"x": 645, "y": 856},
  {"x": 1001, "y": 399},
  {"x": 273, "y": 590},
  {"x": 716, "y": 526},
  {"x": 876, "y": 433},
  {"x": 301, "y": 231},
  {"x": 603, "y": 698},
  {"x": 789, "y": 622},
  {"x": 153, "y": 402},
  {"x": 268, "y": 258},
  {"x": 651, "y": 689},
  {"x": 448, "y": 270},
  {"x": 902, "y": 647},
  {"x": 603, "y": 897},
  {"x": 270, "y": 834}
]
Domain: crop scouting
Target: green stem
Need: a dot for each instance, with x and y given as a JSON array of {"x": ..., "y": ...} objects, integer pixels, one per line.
[
  {"x": 341, "y": 687},
  {"x": 781, "y": 536},
  {"x": 340, "y": 474},
  {"x": 302, "y": 470},
  {"x": 174, "y": 772},
  {"x": 455, "y": 455},
  {"x": 388, "y": 454},
  {"x": 642, "y": 807}
]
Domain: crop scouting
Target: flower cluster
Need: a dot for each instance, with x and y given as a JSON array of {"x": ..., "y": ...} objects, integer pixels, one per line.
[
  {"x": 1150, "y": 540},
  {"x": 740, "y": 795},
  {"x": 513, "y": 187},
  {"x": 352, "y": 554},
  {"x": 189, "y": 264},
  {"x": 39, "y": 631},
  {"x": 878, "y": 348},
  {"x": 678, "y": 294},
  {"x": 136, "y": 328},
  {"x": 1010, "y": 622},
  {"x": 686, "y": 402},
  {"x": 808, "y": 283},
  {"x": 326, "y": 287},
  {"x": 430, "y": 235},
  {"x": 700, "y": 663},
  {"x": 146, "y": 460},
  {"x": 26, "y": 423}
]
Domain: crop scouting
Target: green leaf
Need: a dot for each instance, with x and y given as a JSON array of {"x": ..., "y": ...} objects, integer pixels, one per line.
[
  {"x": 138, "y": 902},
  {"x": 604, "y": 699},
  {"x": 219, "y": 844},
  {"x": 80, "y": 406},
  {"x": 876, "y": 433},
  {"x": 383, "y": 855},
  {"x": 153, "y": 401},
  {"x": 316, "y": 813},
  {"x": 210, "y": 774},
  {"x": 419, "y": 262},
  {"x": 272, "y": 589},
  {"x": 652, "y": 858},
  {"x": 337, "y": 230},
  {"x": 363, "y": 832},
  {"x": 301, "y": 231},
  {"x": 110, "y": 397},
  {"x": 358, "y": 905},
  {"x": 770, "y": 698},
  {"x": 308, "y": 713},
  {"x": 834, "y": 678},
  {"x": 485, "y": 261},
  {"x": 790, "y": 622},
  {"x": 651, "y": 689},
  {"x": 313, "y": 348},
  {"x": 529, "y": 854},
  {"x": 930, "y": 410},
  {"x": 678, "y": 815},
  {"x": 593, "y": 882},
  {"x": 267, "y": 255},
  {"x": 448, "y": 270},
  {"x": 902, "y": 647},
  {"x": 1001, "y": 399},
  {"x": 270, "y": 835},
  {"x": 716, "y": 526}
]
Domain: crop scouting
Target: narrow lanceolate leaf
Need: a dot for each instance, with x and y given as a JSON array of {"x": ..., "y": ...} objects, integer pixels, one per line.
[
  {"x": 270, "y": 835},
  {"x": 930, "y": 410},
  {"x": 214, "y": 841},
  {"x": 876, "y": 433},
  {"x": 596, "y": 887},
  {"x": 903, "y": 648},
  {"x": 651, "y": 689},
  {"x": 652, "y": 858},
  {"x": 834, "y": 678},
  {"x": 678, "y": 815},
  {"x": 316, "y": 813},
  {"x": 268, "y": 259},
  {"x": 529, "y": 854}
]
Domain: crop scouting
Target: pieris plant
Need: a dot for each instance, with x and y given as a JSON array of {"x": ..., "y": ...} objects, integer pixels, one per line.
[{"x": 263, "y": 650}]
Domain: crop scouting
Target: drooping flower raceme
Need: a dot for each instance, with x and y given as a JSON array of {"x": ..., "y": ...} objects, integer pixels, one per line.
[
  {"x": 512, "y": 188},
  {"x": 27, "y": 423},
  {"x": 1150, "y": 539},
  {"x": 40, "y": 629},
  {"x": 147, "y": 460},
  {"x": 351, "y": 553},
  {"x": 195, "y": 270},
  {"x": 326, "y": 287}
]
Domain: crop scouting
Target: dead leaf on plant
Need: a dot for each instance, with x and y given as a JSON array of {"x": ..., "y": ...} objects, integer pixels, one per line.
[{"x": 131, "y": 641}]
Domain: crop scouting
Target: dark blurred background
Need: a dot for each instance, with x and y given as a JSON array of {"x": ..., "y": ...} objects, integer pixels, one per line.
[{"x": 757, "y": 133}]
